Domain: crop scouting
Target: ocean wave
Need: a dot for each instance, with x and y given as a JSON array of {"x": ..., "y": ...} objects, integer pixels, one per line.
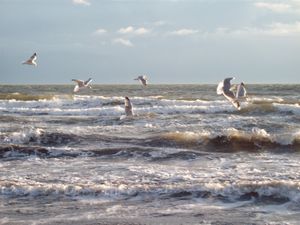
[
  {"x": 114, "y": 105},
  {"x": 25, "y": 97},
  {"x": 32, "y": 135},
  {"x": 20, "y": 151},
  {"x": 264, "y": 191},
  {"x": 230, "y": 140},
  {"x": 291, "y": 108}
]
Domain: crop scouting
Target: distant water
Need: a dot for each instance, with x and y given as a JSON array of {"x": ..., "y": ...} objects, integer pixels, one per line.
[{"x": 187, "y": 157}]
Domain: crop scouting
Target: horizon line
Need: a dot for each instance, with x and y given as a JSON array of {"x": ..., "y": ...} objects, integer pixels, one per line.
[{"x": 109, "y": 84}]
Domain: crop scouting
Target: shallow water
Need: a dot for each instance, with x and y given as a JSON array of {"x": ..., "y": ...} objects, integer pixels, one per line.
[{"x": 186, "y": 157}]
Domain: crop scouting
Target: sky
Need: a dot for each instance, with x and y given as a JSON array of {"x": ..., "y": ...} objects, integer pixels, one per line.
[{"x": 170, "y": 41}]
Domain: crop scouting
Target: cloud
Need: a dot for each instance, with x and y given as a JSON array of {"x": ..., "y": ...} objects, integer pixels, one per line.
[
  {"x": 81, "y": 2},
  {"x": 141, "y": 31},
  {"x": 184, "y": 32},
  {"x": 275, "y": 7},
  {"x": 132, "y": 30},
  {"x": 274, "y": 29},
  {"x": 100, "y": 31},
  {"x": 124, "y": 42},
  {"x": 126, "y": 30},
  {"x": 283, "y": 29}
]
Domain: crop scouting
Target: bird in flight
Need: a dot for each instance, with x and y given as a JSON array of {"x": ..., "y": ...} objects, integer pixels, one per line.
[
  {"x": 31, "y": 61},
  {"x": 142, "y": 79},
  {"x": 224, "y": 88},
  {"x": 82, "y": 84}
]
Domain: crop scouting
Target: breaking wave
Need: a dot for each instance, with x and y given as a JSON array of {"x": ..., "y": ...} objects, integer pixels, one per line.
[
  {"x": 230, "y": 140},
  {"x": 101, "y": 105},
  {"x": 265, "y": 191}
]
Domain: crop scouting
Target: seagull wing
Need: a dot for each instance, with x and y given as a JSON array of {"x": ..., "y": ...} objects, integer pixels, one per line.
[
  {"x": 87, "y": 82},
  {"x": 227, "y": 84},
  {"x": 230, "y": 97},
  {"x": 220, "y": 88},
  {"x": 33, "y": 57},
  {"x": 241, "y": 91},
  {"x": 79, "y": 82},
  {"x": 76, "y": 88},
  {"x": 144, "y": 82}
]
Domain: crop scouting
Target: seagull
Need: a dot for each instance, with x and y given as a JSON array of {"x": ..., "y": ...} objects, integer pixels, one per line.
[
  {"x": 224, "y": 88},
  {"x": 142, "y": 79},
  {"x": 31, "y": 60},
  {"x": 128, "y": 107},
  {"x": 82, "y": 84}
]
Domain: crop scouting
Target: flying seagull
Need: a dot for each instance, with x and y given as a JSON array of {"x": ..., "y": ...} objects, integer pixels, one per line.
[
  {"x": 142, "y": 79},
  {"x": 31, "y": 60},
  {"x": 82, "y": 84},
  {"x": 128, "y": 107},
  {"x": 224, "y": 88}
]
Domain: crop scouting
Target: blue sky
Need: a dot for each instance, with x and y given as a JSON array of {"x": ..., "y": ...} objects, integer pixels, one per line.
[{"x": 171, "y": 41}]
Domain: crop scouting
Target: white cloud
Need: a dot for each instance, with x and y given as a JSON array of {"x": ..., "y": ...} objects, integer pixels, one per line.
[
  {"x": 274, "y": 29},
  {"x": 100, "y": 31},
  {"x": 141, "y": 31},
  {"x": 126, "y": 30},
  {"x": 184, "y": 32},
  {"x": 275, "y": 7},
  {"x": 132, "y": 30},
  {"x": 124, "y": 42},
  {"x": 283, "y": 29},
  {"x": 81, "y": 2}
]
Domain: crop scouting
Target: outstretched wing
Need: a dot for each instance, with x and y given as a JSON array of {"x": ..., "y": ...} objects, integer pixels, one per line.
[
  {"x": 79, "y": 82},
  {"x": 76, "y": 88},
  {"x": 87, "y": 82},
  {"x": 230, "y": 97},
  {"x": 241, "y": 91},
  {"x": 220, "y": 88},
  {"x": 144, "y": 82},
  {"x": 33, "y": 57},
  {"x": 227, "y": 84},
  {"x": 224, "y": 85}
]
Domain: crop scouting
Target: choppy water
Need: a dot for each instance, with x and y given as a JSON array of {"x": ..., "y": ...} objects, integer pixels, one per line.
[{"x": 187, "y": 157}]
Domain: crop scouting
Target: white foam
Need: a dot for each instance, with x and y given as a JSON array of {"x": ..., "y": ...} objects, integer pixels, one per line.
[
  {"x": 270, "y": 99},
  {"x": 100, "y": 105},
  {"x": 24, "y": 135},
  {"x": 294, "y": 108}
]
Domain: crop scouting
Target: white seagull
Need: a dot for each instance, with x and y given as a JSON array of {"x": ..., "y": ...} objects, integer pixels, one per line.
[
  {"x": 224, "y": 88},
  {"x": 82, "y": 84},
  {"x": 31, "y": 60},
  {"x": 142, "y": 79},
  {"x": 128, "y": 107}
]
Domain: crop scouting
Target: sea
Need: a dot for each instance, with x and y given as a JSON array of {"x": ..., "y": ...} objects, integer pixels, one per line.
[{"x": 187, "y": 156}]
